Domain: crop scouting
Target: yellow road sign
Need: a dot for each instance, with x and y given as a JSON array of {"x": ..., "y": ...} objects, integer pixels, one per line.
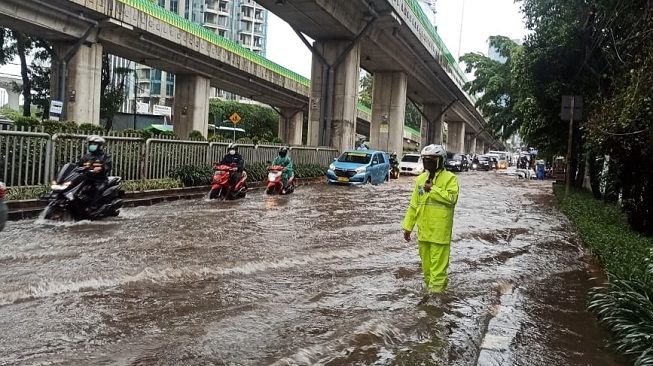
[{"x": 234, "y": 118}]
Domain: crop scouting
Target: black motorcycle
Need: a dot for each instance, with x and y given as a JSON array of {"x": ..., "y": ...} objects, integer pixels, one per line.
[
  {"x": 394, "y": 169},
  {"x": 73, "y": 192}
]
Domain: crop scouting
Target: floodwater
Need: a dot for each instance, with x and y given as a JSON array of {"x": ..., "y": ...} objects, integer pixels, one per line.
[{"x": 320, "y": 277}]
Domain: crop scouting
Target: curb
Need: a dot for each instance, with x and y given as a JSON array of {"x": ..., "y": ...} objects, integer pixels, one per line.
[{"x": 26, "y": 209}]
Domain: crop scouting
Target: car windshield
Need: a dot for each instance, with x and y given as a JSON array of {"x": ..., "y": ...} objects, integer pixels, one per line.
[
  {"x": 355, "y": 157},
  {"x": 457, "y": 157},
  {"x": 410, "y": 159},
  {"x": 482, "y": 158}
]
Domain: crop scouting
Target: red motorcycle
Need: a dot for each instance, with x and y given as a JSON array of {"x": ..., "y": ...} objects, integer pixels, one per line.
[
  {"x": 275, "y": 185},
  {"x": 220, "y": 187}
]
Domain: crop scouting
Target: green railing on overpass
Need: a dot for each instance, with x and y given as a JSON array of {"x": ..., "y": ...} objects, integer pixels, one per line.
[
  {"x": 154, "y": 10},
  {"x": 461, "y": 79}
]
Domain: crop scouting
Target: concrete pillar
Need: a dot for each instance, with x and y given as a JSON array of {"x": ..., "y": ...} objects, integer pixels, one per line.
[
  {"x": 471, "y": 144},
  {"x": 83, "y": 83},
  {"x": 337, "y": 97},
  {"x": 388, "y": 111},
  {"x": 432, "y": 132},
  {"x": 291, "y": 124},
  {"x": 191, "y": 107},
  {"x": 13, "y": 99},
  {"x": 456, "y": 137},
  {"x": 480, "y": 147}
]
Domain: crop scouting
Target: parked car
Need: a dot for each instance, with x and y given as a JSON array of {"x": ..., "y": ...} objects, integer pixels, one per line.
[
  {"x": 456, "y": 162},
  {"x": 411, "y": 164},
  {"x": 360, "y": 167},
  {"x": 3, "y": 206},
  {"x": 482, "y": 163}
]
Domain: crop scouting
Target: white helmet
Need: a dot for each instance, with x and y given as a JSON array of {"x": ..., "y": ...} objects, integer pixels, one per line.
[
  {"x": 433, "y": 151},
  {"x": 95, "y": 139}
]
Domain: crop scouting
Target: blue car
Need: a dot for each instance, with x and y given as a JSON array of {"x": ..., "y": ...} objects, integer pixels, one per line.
[{"x": 360, "y": 167}]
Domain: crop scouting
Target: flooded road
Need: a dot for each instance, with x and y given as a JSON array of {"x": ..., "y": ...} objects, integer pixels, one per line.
[{"x": 321, "y": 277}]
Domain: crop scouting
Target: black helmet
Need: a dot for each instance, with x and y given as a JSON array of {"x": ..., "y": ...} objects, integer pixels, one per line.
[
  {"x": 233, "y": 146},
  {"x": 283, "y": 151}
]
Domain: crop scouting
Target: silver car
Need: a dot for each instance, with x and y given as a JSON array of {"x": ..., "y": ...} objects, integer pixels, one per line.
[{"x": 3, "y": 206}]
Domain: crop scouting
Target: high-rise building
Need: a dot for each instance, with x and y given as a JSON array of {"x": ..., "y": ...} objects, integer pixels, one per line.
[{"x": 242, "y": 21}]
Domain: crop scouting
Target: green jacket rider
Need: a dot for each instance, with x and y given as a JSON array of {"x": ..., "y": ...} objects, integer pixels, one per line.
[{"x": 283, "y": 160}]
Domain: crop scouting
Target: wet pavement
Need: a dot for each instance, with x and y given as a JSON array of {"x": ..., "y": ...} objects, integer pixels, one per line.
[{"x": 321, "y": 277}]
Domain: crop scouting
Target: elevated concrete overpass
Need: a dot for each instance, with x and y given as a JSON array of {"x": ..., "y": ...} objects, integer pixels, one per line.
[
  {"x": 394, "y": 40},
  {"x": 144, "y": 32},
  {"x": 7, "y": 83}
]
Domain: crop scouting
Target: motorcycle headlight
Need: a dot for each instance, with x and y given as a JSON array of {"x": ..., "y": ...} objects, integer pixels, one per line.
[
  {"x": 361, "y": 169},
  {"x": 332, "y": 167}
]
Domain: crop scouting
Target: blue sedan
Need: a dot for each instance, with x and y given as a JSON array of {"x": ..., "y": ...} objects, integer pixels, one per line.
[{"x": 360, "y": 167}]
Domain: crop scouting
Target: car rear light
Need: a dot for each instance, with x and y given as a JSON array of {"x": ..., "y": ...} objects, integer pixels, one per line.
[{"x": 3, "y": 190}]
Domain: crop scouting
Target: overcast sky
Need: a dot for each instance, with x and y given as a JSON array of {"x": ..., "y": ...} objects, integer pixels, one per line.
[{"x": 482, "y": 19}]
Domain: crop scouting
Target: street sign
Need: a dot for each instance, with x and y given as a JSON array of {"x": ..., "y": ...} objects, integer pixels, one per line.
[
  {"x": 234, "y": 118},
  {"x": 162, "y": 110},
  {"x": 567, "y": 102},
  {"x": 56, "y": 107}
]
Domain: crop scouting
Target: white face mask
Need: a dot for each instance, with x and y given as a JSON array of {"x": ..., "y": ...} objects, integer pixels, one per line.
[{"x": 232, "y": 152}]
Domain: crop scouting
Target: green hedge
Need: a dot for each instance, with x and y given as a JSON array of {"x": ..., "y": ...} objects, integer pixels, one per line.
[
  {"x": 198, "y": 175},
  {"x": 625, "y": 305}
]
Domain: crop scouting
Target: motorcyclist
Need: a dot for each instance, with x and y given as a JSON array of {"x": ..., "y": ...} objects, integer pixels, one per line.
[
  {"x": 99, "y": 165},
  {"x": 283, "y": 160},
  {"x": 394, "y": 163},
  {"x": 234, "y": 158}
]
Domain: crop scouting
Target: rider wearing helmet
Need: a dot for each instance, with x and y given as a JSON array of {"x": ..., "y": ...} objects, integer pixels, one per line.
[
  {"x": 99, "y": 165},
  {"x": 233, "y": 158},
  {"x": 432, "y": 209},
  {"x": 283, "y": 160},
  {"x": 393, "y": 158}
]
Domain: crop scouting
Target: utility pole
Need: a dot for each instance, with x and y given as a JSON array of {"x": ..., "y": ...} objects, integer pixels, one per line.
[{"x": 569, "y": 146}]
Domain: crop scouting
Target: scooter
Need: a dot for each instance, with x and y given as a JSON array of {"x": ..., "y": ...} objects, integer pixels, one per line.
[
  {"x": 220, "y": 187},
  {"x": 72, "y": 193},
  {"x": 275, "y": 184},
  {"x": 394, "y": 170}
]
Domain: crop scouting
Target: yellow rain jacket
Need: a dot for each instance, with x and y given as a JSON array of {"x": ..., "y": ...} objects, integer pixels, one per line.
[{"x": 433, "y": 211}]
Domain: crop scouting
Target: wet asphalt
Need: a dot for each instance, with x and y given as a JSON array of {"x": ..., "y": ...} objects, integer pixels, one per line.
[{"x": 319, "y": 277}]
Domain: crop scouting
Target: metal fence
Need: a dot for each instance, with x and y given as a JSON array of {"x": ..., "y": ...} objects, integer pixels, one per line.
[{"x": 33, "y": 158}]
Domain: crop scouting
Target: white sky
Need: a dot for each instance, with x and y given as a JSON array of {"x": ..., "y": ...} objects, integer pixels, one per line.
[{"x": 482, "y": 19}]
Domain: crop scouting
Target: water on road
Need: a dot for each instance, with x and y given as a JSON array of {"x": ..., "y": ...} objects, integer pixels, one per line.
[{"x": 320, "y": 277}]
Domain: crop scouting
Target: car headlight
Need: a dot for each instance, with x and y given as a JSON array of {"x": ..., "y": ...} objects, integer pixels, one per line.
[
  {"x": 332, "y": 167},
  {"x": 361, "y": 169}
]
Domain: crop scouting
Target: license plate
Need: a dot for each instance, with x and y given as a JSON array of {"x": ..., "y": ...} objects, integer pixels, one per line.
[{"x": 343, "y": 179}]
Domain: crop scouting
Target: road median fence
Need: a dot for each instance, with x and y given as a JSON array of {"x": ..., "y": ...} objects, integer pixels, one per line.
[{"x": 31, "y": 158}]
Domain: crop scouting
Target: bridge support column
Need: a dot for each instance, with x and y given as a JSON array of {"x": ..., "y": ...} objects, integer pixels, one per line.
[
  {"x": 480, "y": 147},
  {"x": 388, "y": 111},
  {"x": 191, "y": 107},
  {"x": 470, "y": 144},
  {"x": 456, "y": 137},
  {"x": 432, "y": 132},
  {"x": 334, "y": 94},
  {"x": 83, "y": 83},
  {"x": 14, "y": 99},
  {"x": 291, "y": 123}
]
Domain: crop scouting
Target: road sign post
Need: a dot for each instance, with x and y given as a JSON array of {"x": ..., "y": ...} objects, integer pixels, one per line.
[
  {"x": 572, "y": 108},
  {"x": 235, "y": 118}
]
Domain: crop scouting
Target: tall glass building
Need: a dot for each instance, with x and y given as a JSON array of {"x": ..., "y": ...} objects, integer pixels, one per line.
[{"x": 242, "y": 21}]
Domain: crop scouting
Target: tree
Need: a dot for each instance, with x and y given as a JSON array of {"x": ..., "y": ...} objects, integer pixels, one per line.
[
  {"x": 259, "y": 122},
  {"x": 112, "y": 91},
  {"x": 365, "y": 90},
  {"x": 23, "y": 45}
]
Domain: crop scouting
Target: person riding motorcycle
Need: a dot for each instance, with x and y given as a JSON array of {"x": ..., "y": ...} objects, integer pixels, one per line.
[
  {"x": 283, "y": 160},
  {"x": 99, "y": 165},
  {"x": 234, "y": 158},
  {"x": 394, "y": 163}
]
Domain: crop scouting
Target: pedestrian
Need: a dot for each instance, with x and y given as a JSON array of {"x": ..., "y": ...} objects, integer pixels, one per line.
[{"x": 432, "y": 208}]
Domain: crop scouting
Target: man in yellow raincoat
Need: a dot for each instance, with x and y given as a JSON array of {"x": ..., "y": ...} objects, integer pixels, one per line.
[{"x": 431, "y": 208}]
